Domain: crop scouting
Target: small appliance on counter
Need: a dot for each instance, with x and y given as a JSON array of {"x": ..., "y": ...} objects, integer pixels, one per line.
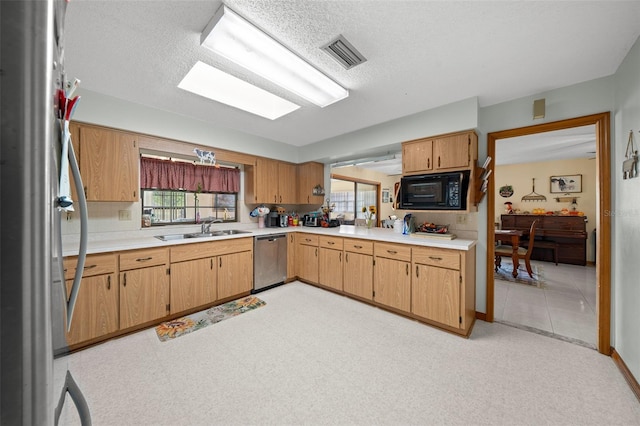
[
  {"x": 277, "y": 220},
  {"x": 310, "y": 220}
]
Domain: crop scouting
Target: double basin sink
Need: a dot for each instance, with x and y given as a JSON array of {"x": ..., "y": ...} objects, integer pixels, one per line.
[{"x": 222, "y": 233}]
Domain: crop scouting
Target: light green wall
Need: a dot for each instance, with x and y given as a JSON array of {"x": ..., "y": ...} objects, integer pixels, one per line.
[
  {"x": 626, "y": 216},
  {"x": 378, "y": 139},
  {"x": 108, "y": 111}
]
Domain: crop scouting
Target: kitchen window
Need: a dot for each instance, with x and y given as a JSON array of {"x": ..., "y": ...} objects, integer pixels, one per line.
[
  {"x": 168, "y": 207},
  {"x": 181, "y": 192},
  {"x": 350, "y": 196}
]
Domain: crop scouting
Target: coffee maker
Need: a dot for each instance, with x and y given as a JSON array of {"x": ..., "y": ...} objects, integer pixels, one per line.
[{"x": 276, "y": 220}]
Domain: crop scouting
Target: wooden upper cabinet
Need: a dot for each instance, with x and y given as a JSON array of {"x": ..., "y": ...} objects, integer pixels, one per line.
[
  {"x": 287, "y": 183},
  {"x": 109, "y": 164},
  {"x": 310, "y": 175},
  {"x": 266, "y": 184},
  {"x": 271, "y": 182},
  {"x": 417, "y": 156},
  {"x": 454, "y": 151}
]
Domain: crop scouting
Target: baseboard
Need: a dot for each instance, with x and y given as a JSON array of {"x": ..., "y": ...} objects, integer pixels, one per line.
[
  {"x": 481, "y": 316},
  {"x": 628, "y": 375}
]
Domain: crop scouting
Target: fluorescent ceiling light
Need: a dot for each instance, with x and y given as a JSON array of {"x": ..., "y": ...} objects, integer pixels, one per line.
[
  {"x": 231, "y": 36},
  {"x": 210, "y": 82}
]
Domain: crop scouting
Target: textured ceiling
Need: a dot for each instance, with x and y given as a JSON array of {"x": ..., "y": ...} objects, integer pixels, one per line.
[{"x": 420, "y": 54}]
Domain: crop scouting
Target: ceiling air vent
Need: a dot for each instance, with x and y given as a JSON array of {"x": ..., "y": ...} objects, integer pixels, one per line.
[{"x": 344, "y": 53}]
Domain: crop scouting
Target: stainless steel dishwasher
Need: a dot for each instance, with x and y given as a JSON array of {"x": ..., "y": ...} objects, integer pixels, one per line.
[{"x": 270, "y": 261}]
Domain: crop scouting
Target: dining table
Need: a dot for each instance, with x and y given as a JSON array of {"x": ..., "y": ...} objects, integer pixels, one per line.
[{"x": 512, "y": 235}]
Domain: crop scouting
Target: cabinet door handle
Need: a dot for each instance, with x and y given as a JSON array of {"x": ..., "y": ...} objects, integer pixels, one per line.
[
  {"x": 308, "y": 240},
  {"x": 438, "y": 161},
  {"x": 124, "y": 284},
  {"x": 340, "y": 257},
  {"x": 90, "y": 266},
  {"x": 109, "y": 282},
  {"x": 417, "y": 274},
  {"x": 281, "y": 198},
  {"x": 346, "y": 257},
  {"x": 330, "y": 243},
  {"x": 316, "y": 252},
  {"x": 358, "y": 247},
  {"x": 428, "y": 163},
  {"x": 144, "y": 259},
  {"x": 435, "y": 258},
  {"x": 220, "y": 260},
  {"x": 275, "y": 198},
  {"x": 211, "y": 266},
  {"x": 407, "y": 268},
  {"x": 392, "y": 252}
]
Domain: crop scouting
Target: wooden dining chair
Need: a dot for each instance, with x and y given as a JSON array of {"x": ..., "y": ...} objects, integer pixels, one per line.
[{"x": 523, "y": 253}]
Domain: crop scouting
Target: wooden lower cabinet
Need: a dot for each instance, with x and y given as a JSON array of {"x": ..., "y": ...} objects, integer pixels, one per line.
[
  {"x": 436, "y": 294},
  {"x": 443, "y": 287},
  {"x": 193, "y": 284},
  {"x": 96, "y": 309},
  {"x": 392, "y": 283},
  {"x": 144, "y": 286},
  {"x": 291, "y": 256},
  {"x": 330, "y": 268},
  {"x": 307, "y": 257},
  {"x": 358, "y": 268},
  {"x": 235, "y": 274},
  {"x": 144, "y": 295},
  {"x": 391, "y": 277}
]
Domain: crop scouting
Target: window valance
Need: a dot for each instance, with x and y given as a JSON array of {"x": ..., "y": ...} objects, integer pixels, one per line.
[{"x": 167, "y": 174}]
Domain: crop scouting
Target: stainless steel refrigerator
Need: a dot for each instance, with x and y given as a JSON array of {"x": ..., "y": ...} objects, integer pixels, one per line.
[{"x": 35, "y": 308}]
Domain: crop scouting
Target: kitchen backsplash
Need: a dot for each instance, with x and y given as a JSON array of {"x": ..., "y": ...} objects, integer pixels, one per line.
[{"x": 464, "y": 225}]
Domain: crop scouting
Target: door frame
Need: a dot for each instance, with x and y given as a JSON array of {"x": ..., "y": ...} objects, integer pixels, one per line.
[{"x": 603, "y": 219}]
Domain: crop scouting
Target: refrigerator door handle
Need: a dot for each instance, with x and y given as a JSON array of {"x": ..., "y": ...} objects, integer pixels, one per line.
[
  {"x": 82, "y": 251},
  {"x": 71, "y": 387}
]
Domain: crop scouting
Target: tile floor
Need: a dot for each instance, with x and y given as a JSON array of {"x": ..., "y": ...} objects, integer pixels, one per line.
[{"x": 565, "y": 306}]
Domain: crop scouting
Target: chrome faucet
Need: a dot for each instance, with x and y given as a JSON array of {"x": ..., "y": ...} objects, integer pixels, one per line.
[{"x": 205, "y": 228}]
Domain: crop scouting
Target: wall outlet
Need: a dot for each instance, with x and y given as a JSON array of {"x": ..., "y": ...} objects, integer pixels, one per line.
[
  {"x": 461, "y": 219},
  {"x": 124, "y": 215}
]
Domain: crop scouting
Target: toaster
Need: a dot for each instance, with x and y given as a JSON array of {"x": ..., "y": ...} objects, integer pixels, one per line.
[{"x": 310, "y": 221}]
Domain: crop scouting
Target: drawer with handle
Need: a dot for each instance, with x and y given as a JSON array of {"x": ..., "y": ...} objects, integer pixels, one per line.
[
  {"x": 307, "y": 239},
  {"x": 143, "y": 258},
  {"x": 442, "y": 258},
  {"x": 358, "y": 246},
  {"x": 335, "y": 243},
  {"x": 393, "y": 251},
  {"x": 96, "y": 264}
]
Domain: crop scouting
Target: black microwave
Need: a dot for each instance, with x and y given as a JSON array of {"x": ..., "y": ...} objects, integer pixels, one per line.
[{"x": 438, "y": 191}]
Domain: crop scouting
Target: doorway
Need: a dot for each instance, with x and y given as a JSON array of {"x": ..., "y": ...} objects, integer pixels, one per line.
[{"x": 603, "y": 221}]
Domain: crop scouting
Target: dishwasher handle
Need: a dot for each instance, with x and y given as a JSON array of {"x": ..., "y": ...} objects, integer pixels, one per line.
[{"x": 270, "y": 238}]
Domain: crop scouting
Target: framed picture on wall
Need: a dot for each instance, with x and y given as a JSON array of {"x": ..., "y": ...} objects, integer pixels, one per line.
[
  {"x": 385, "y": 195},
  {"x": 566, "y": 184}
]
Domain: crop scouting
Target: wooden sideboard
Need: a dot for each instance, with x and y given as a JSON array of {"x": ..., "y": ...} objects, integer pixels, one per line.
[{"x": 568, "y": 232}]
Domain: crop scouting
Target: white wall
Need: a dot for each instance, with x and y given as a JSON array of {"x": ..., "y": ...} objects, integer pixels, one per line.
[{"x": 626, "y": 215}]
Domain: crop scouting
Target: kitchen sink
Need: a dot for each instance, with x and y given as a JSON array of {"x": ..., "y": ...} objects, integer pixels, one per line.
[
  {"x": 234, "y": 232},
  {"x": 171, "y": 237}
]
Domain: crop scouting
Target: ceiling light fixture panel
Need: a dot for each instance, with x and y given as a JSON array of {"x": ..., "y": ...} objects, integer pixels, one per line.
[
  {"x": 233, "y": 37},
  {"x": 212, "y": 83}
]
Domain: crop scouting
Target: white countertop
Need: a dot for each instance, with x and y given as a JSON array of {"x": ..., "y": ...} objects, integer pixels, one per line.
[{"x": 145, "y": 238}]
